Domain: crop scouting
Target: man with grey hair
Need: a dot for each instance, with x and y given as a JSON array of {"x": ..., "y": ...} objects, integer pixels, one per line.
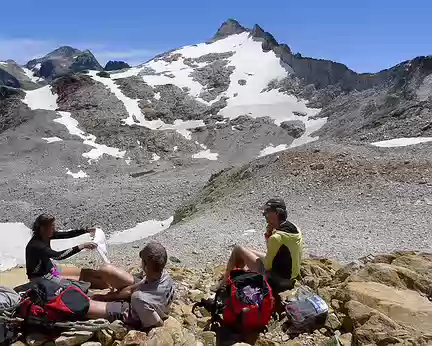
[{"x": 144, "y": 304}]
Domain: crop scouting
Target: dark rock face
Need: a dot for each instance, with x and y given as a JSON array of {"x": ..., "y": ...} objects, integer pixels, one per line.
[
  {"x": 401, "y": 107},
  {"x": 268, "y": 41},
  {"x": 12, "y": 111},
  {"x": 7, "y": 79},
  {"x": 85, "y": 61},
  {"x": 116, "y": 65},
  {"x": 63, "y": 61},
  {"x": 135, "y": 88},
  {"x": 230, "y": 27},
  {"x": 13, "y": 75},
  {"x": 174, "y": 103},
  {"x": 215, "y": 77},
  {"x": 295, "y": 128}
]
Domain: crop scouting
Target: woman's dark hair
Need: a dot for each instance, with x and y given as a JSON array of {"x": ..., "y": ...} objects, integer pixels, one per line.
[{"x": 41, "y": 221}]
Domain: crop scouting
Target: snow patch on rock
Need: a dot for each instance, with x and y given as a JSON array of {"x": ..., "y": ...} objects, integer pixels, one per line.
[
  {"x": 402, "y": 142},
  {"x": 98, "y": 149},
  {"x": 272, "y": 149},
  {"x": 41, "y": 98},
  {"x": 142, "y": 230},
  {"x": 80, "y": 174},
  {"x": 52, "y": 139},
  {"x": 134, "y": 112},
  {"x": 12, "y": 249},
  {"x": 31, "y": 76},
  {"x": 206, "y": 154}
]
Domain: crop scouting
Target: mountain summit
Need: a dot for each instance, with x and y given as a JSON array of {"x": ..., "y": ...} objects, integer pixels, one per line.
[
  {"x": 63, "y": 60},
  {"x": 229, "y": 27}
]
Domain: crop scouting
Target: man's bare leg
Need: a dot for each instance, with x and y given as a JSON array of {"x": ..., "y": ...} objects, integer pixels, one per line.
[
  {"x": 107, "y": 276},
  {"x": 243, "y": 257},
  {"x": 88, "y": 275},
  {"x": 116, "y": 277},
  {"x": 97, "y": 310}
]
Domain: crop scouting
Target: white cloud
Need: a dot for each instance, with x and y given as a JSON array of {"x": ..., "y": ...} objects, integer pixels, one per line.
[{"x": 24, "y": 49}]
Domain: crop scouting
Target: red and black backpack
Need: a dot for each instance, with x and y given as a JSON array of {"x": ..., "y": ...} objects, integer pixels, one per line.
[
  {"x": 50, "y": 301},
  {"x": 245, "y": 302}
]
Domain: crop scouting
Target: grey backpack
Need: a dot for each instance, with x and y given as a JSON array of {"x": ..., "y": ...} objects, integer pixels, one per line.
[{"x": 8, "y": 299}]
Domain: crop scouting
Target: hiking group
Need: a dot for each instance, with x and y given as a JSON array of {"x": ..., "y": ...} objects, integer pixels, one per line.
[{"x": 144, "y": 303}]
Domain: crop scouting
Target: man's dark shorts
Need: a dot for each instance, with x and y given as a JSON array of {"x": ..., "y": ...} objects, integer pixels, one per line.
[{"x": 117, "y": 311}]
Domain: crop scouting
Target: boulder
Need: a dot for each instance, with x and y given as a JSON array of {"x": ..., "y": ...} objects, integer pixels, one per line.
[
  {"x": 405, "y": 307},
  {"x": 295, "y": 128},
  {"x": 134, "y": 338},
  {"x": 73, "y": 338},
  {"x": 36, "y": 339},
  {"x": 105, "y": 337},
  {"x": 171, "y": 333},
  {"x": 119, "y": 330}
]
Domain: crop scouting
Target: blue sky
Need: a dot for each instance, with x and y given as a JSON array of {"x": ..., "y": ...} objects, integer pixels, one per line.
[{"x": 365, "y": 35}]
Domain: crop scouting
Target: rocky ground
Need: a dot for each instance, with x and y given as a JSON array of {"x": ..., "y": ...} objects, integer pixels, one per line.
[{"x": 378, "y": 300}]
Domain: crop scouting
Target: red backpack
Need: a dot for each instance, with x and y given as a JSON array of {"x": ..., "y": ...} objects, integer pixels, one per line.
[
  {"x": 245, "y": 302},
  {"x": 49, "y": 301}
]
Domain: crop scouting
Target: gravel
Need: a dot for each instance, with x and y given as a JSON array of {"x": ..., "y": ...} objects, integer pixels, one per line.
[{"x": 364, "y": 200}]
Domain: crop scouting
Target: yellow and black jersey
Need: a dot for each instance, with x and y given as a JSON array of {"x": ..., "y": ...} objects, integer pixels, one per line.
[{"x": 284, "y": 251}]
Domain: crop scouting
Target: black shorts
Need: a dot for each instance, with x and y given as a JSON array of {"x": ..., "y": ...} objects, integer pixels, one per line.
[{"x": 117, "y": 311}]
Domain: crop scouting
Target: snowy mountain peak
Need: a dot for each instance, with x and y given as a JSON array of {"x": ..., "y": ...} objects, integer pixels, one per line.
[{"x": 229, "y": 27}]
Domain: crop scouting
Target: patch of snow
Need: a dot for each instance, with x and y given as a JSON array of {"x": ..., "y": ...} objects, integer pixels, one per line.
[
  {"x": 273, "y": 149},
  {"x": 206, "y": 154},
  {"x": 140, "y": 231},
  {"x": 31, "y": 75},
  {"x": 127, "y": 73},
  {"x": 3, "y": 63},
  {"x": 128, "y": 161},
  {"x": 402, "y": 142},
  {"x": 157, "y": 96},
  {"x": 41, "y": 98},
  {"x": 248, "y": 61},
  {"x": 52, "y": 139},
  {"x": 89, "y": 139},
  {"x": 37, "y": 66},
  {"x": 78, "y": 175},
  {"x": 134, "y": 111},
  {"x": 175, "y": 148},
  {"x": 12, "y": 249},
  {"x": 276, "y": 105},
  {"x": 312, "y": 125},
  {"x": 155, "y": 157}
]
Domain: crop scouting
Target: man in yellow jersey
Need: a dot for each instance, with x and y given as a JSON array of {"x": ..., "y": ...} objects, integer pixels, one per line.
[{"x": 281, "y": 263}]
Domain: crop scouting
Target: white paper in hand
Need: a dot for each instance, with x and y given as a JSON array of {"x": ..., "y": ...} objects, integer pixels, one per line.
[{"x": 100, "y": 240}]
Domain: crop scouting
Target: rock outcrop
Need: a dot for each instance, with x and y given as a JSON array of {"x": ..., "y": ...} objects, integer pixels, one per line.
[
  {"x": 229, "y": 27},
  {"x": 116, "y": 65},
  {"x": 295, "y": 128}
]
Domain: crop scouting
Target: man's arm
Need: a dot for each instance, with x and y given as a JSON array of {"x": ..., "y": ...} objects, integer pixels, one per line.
[
  {"x": 273, "y": 244},
  {"x": 123, "y": 294}
]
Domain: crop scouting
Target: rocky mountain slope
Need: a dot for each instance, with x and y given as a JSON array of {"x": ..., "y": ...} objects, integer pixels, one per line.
[{"x": 116, "y": 148}]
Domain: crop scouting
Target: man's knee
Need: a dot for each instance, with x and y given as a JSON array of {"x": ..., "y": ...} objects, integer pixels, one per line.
[
  {"x": 238, "y": 249},
  {"x": 107, "y": 268}
]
